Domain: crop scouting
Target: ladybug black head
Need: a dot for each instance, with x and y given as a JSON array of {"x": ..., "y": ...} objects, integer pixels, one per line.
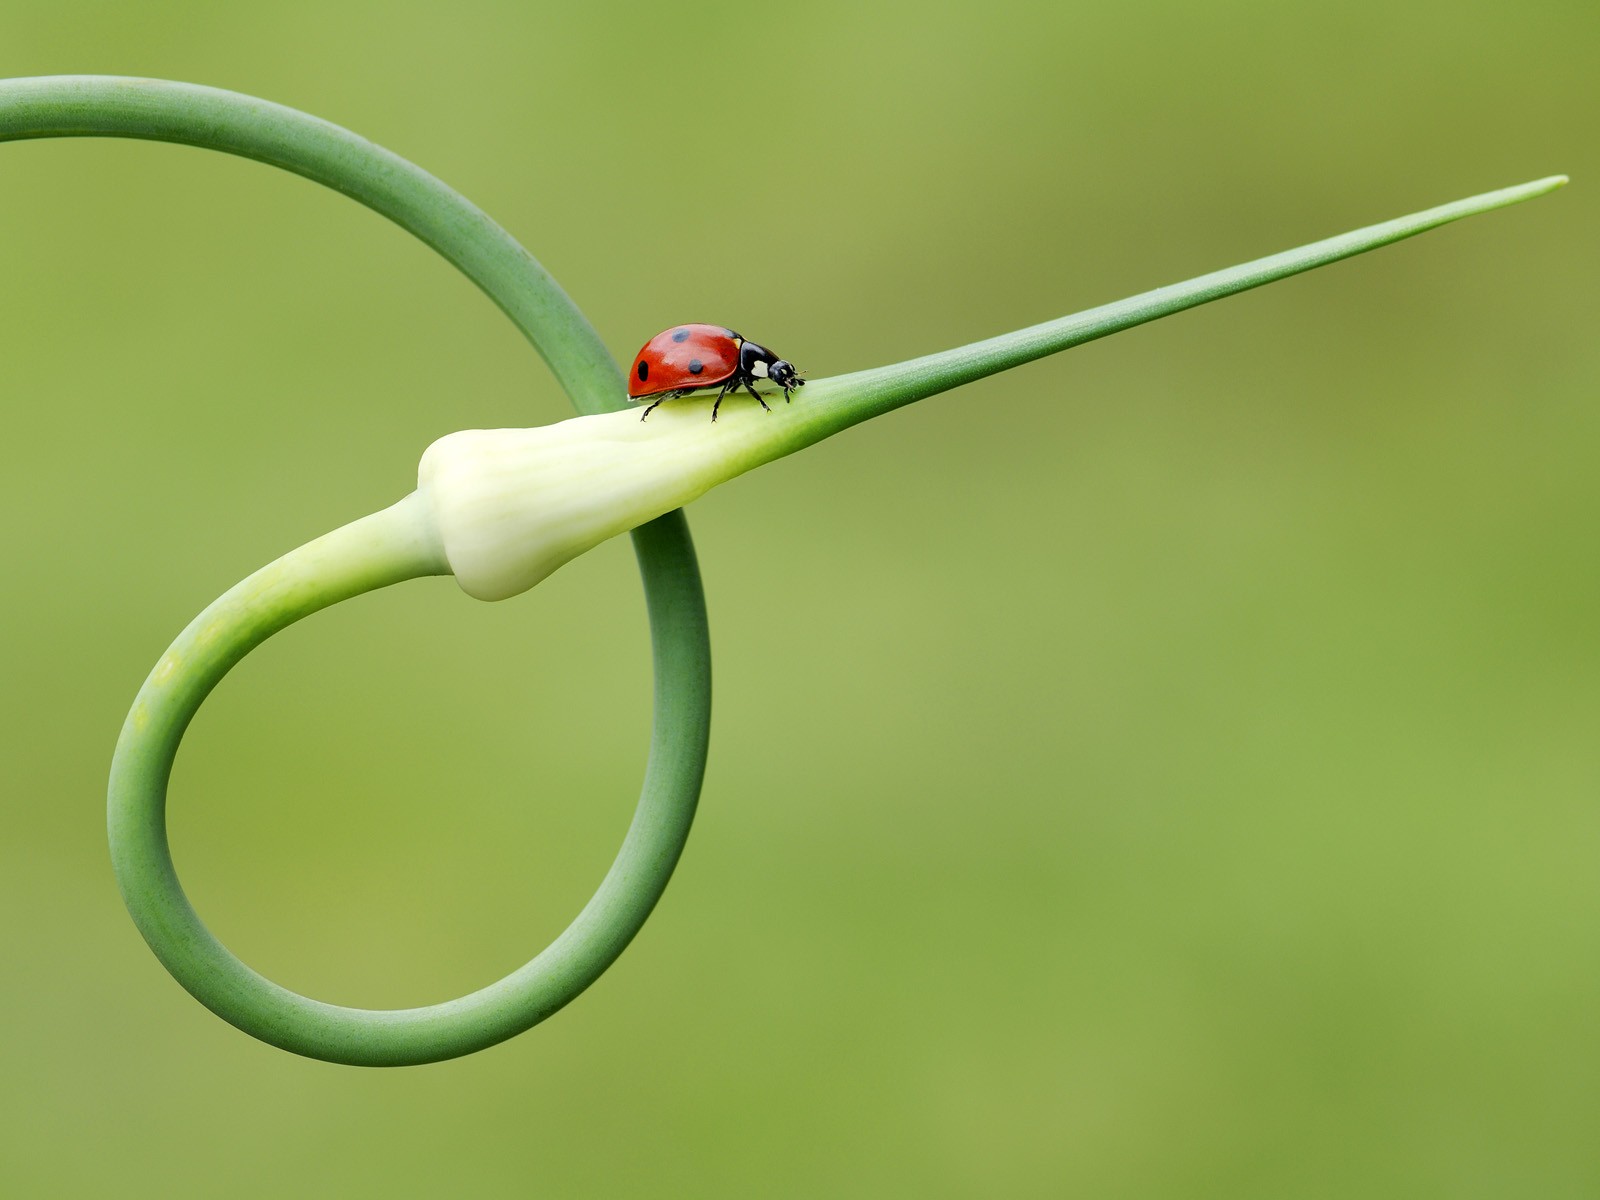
[{"x": 784, "y": 375}]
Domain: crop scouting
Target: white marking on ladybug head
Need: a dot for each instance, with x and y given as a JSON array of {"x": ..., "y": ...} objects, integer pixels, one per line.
[{"x": 759, "y": 370}]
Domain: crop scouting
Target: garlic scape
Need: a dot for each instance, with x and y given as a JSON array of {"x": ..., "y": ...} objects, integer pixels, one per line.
[
  {"x": 502, "y": 509},
  {"x": 510, "y": 506}
]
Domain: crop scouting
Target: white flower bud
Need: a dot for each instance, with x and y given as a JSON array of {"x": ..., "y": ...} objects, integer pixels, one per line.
[{"x": 512, "y": 505}]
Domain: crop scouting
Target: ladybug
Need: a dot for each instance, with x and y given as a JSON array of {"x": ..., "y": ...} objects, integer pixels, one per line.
[{"x": 689, "y": 358}]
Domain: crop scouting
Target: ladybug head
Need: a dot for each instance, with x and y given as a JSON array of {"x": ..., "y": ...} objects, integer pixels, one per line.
[{"x": 784, "y": 375}]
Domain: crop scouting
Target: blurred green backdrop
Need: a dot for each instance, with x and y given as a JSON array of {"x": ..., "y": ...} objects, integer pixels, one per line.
[{"x": 1168, "y": 770}]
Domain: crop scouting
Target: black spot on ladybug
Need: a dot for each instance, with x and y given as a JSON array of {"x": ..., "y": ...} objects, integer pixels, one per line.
[
  {"x": 696, "y": 366},
  {"x": 681, "y": 335},
  {"x": 644, "y": 371}
]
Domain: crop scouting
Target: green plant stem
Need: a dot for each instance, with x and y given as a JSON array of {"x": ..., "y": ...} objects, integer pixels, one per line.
[
  {"x": 514, "y": 505},
  {"x": 388, "y": 547},
  {"x": 841, "y": 401},
  {"x": 85, "y": 106},
  {"x": 652, "y": 470},
  {"x": 161, "y": 110}
]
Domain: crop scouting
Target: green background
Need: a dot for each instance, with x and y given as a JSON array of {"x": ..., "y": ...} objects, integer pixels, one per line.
[{"x": 1167, "y": 770}]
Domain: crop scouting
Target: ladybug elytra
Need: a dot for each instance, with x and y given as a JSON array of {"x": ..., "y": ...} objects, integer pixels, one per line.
[{"x": 691, "y": 358}]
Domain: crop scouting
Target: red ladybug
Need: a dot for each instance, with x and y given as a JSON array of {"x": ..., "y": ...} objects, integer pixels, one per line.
[{"x": 689, "y": 358}]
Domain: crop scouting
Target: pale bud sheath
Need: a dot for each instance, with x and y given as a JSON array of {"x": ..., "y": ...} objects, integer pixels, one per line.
[{"x": 509, "y": 506}]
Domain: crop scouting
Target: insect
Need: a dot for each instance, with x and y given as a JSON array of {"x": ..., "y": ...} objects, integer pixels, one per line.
[{"x": 689, "y": 358}]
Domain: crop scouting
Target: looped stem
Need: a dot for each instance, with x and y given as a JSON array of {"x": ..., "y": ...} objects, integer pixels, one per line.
[
  {"x": 371, "y": 553},
  {"x": 161, "y": 110},
  {"x": 386, "y": 548}
]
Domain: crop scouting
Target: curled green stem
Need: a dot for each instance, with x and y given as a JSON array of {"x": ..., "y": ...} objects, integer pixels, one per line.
[
  {"x": 161, "y": 110},
  {"x": 385, "y": 548},
  {"x": 501, "y": 509},
  {"x": 372, "y": 553}
]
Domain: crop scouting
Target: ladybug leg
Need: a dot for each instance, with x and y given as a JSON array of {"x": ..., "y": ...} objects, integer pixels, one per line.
[
  {"x": 652, "y": 407},
  {"x": 720, "y": 395},
  {"x": 749, "y": 387}
]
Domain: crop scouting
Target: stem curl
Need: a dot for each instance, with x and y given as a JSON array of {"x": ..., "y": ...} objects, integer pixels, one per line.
[
  {"x": 375, "y": 552},
  {"x": 501, "y": 509},
  {"x": 161, "y": 110},
  {"x": 385, "y": 548}
]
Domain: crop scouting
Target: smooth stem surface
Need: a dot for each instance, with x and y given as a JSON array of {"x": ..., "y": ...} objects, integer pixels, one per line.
[
  {"x": 386, "y": 548},
  {"x": 401, "y": 543},
  {"x": 374, "y": 552},
  {"x": 513, "y": 505},
  {"x": 841, "y": 401},
  {"x": 342, "y": 565},
  {"x": 164, "y": 111}
]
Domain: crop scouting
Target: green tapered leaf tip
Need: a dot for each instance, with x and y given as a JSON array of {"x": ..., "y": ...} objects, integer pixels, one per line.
[{"x": 1525, "y": 191}]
